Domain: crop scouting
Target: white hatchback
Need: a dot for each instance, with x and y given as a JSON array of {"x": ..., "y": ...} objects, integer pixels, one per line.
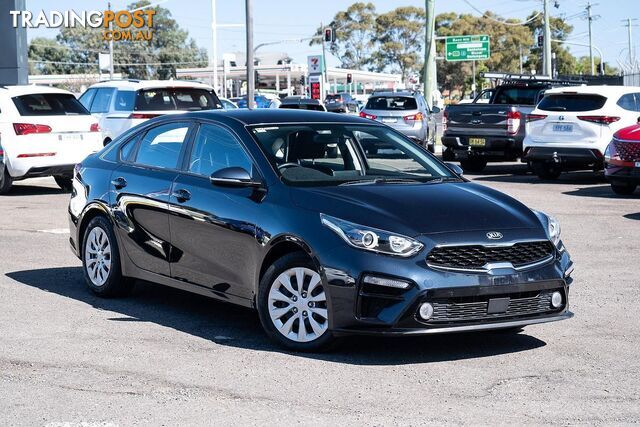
[
  {"x": 120, "y": 105},
  {"x": 43, "y": 132},
  {"x": 571, "y": 127}
]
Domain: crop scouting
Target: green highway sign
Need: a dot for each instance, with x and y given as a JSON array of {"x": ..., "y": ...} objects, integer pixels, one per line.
[{"x": 467, "y": 48}]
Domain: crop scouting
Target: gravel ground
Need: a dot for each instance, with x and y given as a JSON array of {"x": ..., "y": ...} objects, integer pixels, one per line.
[{"x": 165, "y": 357}]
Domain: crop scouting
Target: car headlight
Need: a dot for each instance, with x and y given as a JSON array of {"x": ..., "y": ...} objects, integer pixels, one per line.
[
  {"x": 372, "y": 239},
  {"x": 552, "y": 225}
]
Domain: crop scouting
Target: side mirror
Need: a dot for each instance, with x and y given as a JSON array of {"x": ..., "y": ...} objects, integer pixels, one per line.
[
  {"x": 435, "y": 110},
  {"x": 233, "y": 177},
  {"x": 455, "y": 167}
]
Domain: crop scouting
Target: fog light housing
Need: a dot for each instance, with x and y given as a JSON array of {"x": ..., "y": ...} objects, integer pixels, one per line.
[
  {"x": 425, "y": 311},
  {"x": 385, "y": 281},
  {"x": 556, "y": 299}
]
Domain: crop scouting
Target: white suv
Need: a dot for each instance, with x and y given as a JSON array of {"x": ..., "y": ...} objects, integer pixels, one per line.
[
  {"x": 43, "y": 132},
  {"x": 571, "y": 127},
  {"x": 120, "y": 105}
]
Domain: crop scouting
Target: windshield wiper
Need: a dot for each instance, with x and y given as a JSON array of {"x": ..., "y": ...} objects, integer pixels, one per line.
[
  {"x": 382, "y": 181},
  {"x": 443, "y": 179}
]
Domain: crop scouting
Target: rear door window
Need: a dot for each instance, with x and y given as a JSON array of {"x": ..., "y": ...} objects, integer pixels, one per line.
[
  {"x": 572, "y": 102},
  {"x": 102, "y": 100},
  {"x": 392, "y": 103},
  {"x": 49, "y": 104},
  {"x": 630, "y": 101},
  {"x": 161, "y": 146}
]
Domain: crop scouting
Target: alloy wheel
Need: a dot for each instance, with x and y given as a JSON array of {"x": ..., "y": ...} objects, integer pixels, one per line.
[
  {"x": 298, "y": 305},
  {"x": 97, "y": 256}
]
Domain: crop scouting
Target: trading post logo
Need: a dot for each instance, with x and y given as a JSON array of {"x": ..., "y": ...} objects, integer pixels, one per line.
[{"x": 134, "y": 25}]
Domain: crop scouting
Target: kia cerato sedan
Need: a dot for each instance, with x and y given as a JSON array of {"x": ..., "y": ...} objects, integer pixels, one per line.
[{"x": 285, "y": 212}]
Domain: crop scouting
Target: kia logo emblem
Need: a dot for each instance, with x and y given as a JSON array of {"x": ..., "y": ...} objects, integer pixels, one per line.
[{"x": 494, "y": 235}]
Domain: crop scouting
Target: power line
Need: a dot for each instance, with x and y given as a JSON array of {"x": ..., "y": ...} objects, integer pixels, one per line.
[{"x": 484, "y": 15}]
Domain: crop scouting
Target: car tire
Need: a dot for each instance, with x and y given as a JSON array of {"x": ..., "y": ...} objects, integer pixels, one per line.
[
  {"x": 101, "y": 260},
  {"x": 473, "y": 165},
  {"x": 546, "y": 170},
  {"x": 282, "y": 305},
  {"x": 5, "y": 181},
  {"x": 64, "y": 182},
  {"x": 623, "y": 188}
]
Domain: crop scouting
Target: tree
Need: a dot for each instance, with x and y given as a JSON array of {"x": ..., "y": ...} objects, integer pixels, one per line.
[
  {"x": 169, "y": 49},
  {"x": 48, "y": 57},
  {"x": 354, "y": 35},
  {"x": 400, "y": 37},
  {"x": 560, "y": 30}
]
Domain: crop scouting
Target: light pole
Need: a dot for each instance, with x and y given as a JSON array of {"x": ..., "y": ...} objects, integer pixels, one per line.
[
  {"x": 429, "y": 54},
  {"x": 546, "y": 70},
  {"x": 250, "y": 75},
  {"x": 214, "y": 46}
]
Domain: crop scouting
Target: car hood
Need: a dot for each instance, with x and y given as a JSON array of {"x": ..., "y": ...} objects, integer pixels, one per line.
[{"x": 414, "y": 209}]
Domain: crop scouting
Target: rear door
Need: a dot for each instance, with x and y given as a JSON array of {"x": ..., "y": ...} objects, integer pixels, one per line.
[
  {"x": 141, "y": 188},
  {"x": 212, "y": 227}
]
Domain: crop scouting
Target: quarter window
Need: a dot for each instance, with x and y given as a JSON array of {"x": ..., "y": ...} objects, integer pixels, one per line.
[
  {"x": 161, "y": 146},
  {"x": 216, "y": 148},
  {"x": 87, "y": 98}
]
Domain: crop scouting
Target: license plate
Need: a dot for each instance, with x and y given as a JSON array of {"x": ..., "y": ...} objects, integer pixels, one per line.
[
  {"x": 389, "y": 120},
  {"x": 477, "y": 142},
  {"x": 70, "y": 137},
  {"x": 563, "y": 128}
]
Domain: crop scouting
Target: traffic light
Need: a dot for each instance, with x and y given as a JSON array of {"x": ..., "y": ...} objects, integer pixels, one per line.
[
  {"x": 540, "y": 40},
  {"x": 349, "y": 78},
  {"x": 303, "y": 80},
  {"x": 329, "y": 35}
]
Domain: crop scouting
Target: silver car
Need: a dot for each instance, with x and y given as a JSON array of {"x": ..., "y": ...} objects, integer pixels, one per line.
[{"x": 406, "y": 112}]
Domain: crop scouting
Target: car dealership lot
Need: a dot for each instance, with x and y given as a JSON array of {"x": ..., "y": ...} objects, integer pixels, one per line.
[{"x": 165, "y": 356}]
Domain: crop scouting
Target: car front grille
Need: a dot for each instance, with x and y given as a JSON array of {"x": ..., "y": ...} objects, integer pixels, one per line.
[
  {"x": 520, "y": 305},
  {"x": 628, "y": 151},
  {"x": 476, "y": 257}
]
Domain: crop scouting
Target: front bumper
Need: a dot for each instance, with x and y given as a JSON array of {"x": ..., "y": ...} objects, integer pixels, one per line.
[
  {"x": 622, "y": 174},
  {"x": 461, "y": 300}
]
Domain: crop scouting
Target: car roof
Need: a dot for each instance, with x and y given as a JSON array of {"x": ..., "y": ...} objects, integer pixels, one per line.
[
  {"x": 275, "y": 116},
  {"x": 31, "y": 89},
  {"x": 149, "y": 84},
  {"x": 384, "y": 94},
  {"x": 595, "y": 90}
]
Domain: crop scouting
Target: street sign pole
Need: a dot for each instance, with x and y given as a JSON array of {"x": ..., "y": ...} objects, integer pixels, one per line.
[
  {"x": 473, "y": 86},
  {"x": 429, "y": 55}
]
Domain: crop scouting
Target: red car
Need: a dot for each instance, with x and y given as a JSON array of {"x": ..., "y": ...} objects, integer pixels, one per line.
[{"x": 622, "y": 160}]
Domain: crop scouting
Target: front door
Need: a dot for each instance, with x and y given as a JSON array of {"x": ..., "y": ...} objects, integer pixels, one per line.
[
  {"x": 213, "y": 228},
  {"x": 141, "y": 188}
]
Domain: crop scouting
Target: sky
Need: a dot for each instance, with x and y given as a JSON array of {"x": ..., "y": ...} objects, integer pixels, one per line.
[{"x": 291, "y": 19}]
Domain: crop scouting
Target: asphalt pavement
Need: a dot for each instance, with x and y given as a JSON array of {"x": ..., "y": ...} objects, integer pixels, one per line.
[{"x": 166, "y": 357}]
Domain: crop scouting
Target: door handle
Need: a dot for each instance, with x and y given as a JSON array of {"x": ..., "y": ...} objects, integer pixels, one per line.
[
  {"x": 119, "y": 183},
  {"x": 181, "y": 195}
]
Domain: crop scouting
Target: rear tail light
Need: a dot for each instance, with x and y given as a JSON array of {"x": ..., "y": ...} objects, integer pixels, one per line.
[
  {"x": 445, "y": 121},
  {"x": 368, "y": 116},
  {"x": 143, "y": 116},
  {"x": 535, "y": 117},
  {"x": 95, "y": 127},
  {"x": 28, "y": 128},
  {"x": 414, "y": 117},
  {"x": 602, "y": 120},
  {"x": 513, "y": 122}
]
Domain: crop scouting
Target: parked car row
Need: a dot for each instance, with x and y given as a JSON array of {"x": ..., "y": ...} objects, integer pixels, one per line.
[{"x": 552, "y": 126}]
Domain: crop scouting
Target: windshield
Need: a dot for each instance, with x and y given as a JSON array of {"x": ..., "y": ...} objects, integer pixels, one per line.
[
  {"x": 391, "y": 103},
  {"x": 572, "y": 102},
  {"x": 183, "y": 99},
  {"x": 333, "y": 154}
]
